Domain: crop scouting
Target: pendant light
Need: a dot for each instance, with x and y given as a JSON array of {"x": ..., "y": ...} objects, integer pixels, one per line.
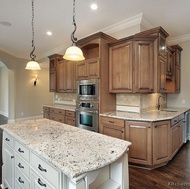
[
  {"x": 74, "y": 53},
  {"x": 32, "y": 64}
]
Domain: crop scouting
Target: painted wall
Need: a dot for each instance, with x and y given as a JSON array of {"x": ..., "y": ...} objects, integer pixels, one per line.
[
  {"x": 177, "y": 100},
  {"x": 4, "y": 91}
]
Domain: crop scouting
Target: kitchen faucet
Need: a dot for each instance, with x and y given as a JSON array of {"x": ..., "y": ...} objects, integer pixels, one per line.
[{"x": 158, "y": 105}]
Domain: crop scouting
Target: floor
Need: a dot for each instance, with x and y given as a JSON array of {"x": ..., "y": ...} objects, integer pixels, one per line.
[{"x": 176, "y": 174}]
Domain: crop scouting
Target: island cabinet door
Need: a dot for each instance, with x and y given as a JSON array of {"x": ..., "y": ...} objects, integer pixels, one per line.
[
  {"x": 139, "y": 134},
  {"x": 161, "y": 142}
]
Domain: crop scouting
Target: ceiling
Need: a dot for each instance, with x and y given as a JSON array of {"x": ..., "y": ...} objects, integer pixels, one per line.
[{"x": 56, "y": 16}]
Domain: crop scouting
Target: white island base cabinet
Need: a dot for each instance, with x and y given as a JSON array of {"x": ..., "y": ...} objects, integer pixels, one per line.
[{"x": 113, "y": 176}]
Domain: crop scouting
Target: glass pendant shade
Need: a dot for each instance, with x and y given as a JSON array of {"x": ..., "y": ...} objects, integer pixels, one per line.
[
  {"x": 32, "y": 65},
  {"x": 74, "y": 53}
]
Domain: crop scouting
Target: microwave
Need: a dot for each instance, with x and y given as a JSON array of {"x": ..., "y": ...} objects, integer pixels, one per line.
[{"x": 88, "y": 89}]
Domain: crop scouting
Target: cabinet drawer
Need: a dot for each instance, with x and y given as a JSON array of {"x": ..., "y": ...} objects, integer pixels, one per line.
[
  {"x": 21, "y": 179},
  {"x": 181, "y": 116},
  {"x": 57, "y": 117},
  {"x": 21, "y": 165},
  {"x": 70, "y": 113},
  {"x": 57, "y": 111},
  {"x": 113, "y": 121},
  {"x": 22, "y": 151},
  {"x": 45, "y": 170},
  {"x": 46, "y": 109},
  {"x": 8, "y": 139},
  {"x": 174, "y": 120}
]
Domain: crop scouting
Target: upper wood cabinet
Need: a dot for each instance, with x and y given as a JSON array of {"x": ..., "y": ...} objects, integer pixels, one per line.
[
  {"x": 87, "y": 69},
  {"x": 129, "y": 60},
  {"x": 53, "y": 62},
  {"x": 169, "y": 62},
  {"x": 174, "y": 85}
]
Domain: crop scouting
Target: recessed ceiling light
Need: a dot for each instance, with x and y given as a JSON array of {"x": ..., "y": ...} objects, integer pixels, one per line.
[
  {"x": 94, "y": 6},
  {"x": 4, "y": 23},
  {"x": 49, "y": 33}
]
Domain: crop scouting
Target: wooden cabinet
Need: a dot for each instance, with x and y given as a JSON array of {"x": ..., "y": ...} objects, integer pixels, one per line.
[
  {"x": 57, "y": 115},
  {"x": 129, "y": 59},
  {"x": 70, "y": 117},
  {"x": 46, "y": 112},
  {"x": 60, "y": 77},
  {"x": 112, "y": 127},
  {"x": 174, "y": 86},
  {"x": 87, "y": 69},
  {"x": 177, "y": 127},
  {"x": 140, "y": 135},
  {"x": 161, "y": 81},
  {"x": 53, "y": 62},
  {"x": 169, "y": 62},
  {"x": 161, "y": 142}
]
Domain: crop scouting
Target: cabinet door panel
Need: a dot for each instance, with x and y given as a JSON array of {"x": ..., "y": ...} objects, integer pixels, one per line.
[
  {"x": 69, "y": 76},
  {"x": 81, "y": 70},
  {"x": 60, "y": 76},
  {"x": 162, "y": 75},
  {"x": 144, "y": 64},
  {"x": 52, "y": 81},
  {"x": 93, "y": 69},
  {"x": 113, "y": 131},
  {"x": 121, "y": 68}
]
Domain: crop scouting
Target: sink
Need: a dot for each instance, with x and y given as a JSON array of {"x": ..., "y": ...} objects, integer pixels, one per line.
[{"x": 167, "y": 110}]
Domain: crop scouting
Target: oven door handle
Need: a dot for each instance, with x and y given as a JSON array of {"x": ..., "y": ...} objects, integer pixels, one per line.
[{"x": 87, "y": 111}]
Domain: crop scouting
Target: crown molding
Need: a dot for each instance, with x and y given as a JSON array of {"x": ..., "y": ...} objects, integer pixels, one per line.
[{"x": 178, "y": 39}]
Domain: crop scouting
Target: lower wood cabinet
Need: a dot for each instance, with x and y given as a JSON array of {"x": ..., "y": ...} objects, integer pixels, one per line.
[
  {"x": 112, "y": 127},
  {"x": 150, "y": 142}
]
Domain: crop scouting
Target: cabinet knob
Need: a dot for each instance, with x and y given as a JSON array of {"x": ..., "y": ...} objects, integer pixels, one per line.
[
  {"x": 20, "y": 166},
  {"x": 7, "y": 139},
  {"x": 12, "y": 157},
  {"x": 111, "y": 121},
  {"x": 20, "y": 150},
  {"x": 20, "y": 180},
  {"x": 41, "y": 168}
]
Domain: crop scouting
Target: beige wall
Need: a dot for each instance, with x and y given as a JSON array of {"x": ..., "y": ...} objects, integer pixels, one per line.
[
  {"x": 25, "y": 100},
  {"x": 176, "y": 99}
]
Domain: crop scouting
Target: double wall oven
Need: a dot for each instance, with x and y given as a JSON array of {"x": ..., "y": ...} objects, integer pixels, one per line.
[{"x": 87, "y": 111}]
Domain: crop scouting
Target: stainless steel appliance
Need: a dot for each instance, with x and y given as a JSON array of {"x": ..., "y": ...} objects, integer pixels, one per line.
[
  {"x": 88, "y": 89},
  {"x": 186, "y": 132},
  {"x": 87, "y": 115}
]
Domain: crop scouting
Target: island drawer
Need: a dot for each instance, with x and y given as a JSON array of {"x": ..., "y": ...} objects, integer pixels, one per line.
[
  {"x": 57, "y": 111},
  {"x": 21, "y": 179},
  {"x": 22, "y": 151},
  {"x": 46, "y": 109},
  {"x": 8, "y": 139},
  {"x": 70, "y": 113},
  {"x": 113, "y": 121},
  {"x": 181, "y": 116},
  {"x": 45, "y": 170},
  {"x": 22, "y": 166}
]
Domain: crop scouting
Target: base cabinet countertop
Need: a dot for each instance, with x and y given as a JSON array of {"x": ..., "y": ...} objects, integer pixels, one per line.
[{"x": 44, "y": 153}]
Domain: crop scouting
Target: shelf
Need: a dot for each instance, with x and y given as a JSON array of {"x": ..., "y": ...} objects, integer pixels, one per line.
[{"x": 109, "y": 184}]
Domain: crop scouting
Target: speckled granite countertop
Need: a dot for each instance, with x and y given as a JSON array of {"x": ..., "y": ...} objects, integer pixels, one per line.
[
  {"x": 60, "y": 106},
  {"x": 72, "y": 150},
  {"x": 154, "y": 115}
]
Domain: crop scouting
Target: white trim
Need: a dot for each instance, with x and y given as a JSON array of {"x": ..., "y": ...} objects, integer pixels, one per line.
[
  {"x": 4, "y": 114},
  {"x": 182, "y": 38},
  {"x": 29, "y": 118}
]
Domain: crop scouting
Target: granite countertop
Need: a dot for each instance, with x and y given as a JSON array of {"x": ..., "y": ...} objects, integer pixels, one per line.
[
  {"x": 154, "y": 115},
  {"x": 72, "y": 150},
  {"x": 61, "y": 106}
]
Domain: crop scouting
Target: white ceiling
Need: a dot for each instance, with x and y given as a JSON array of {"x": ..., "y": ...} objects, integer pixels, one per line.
[{"x": 56, "y": 16}]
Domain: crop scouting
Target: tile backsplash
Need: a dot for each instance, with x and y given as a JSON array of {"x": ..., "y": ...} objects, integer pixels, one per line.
[
  {"x": 59, "y": 98},
  {"x": 139, "y": 102}
]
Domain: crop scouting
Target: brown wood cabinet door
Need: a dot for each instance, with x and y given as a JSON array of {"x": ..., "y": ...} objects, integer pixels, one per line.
[
  {"x": 81, "y": 70},
  {"x": 144, "y": 66},
  {"x": 70, "y": 120},
  {"x": 161, "y": 75},
  {"x": 61, "y": 76},
  {"x": 177, "y": 79},
  {"x": 69, "y": 76},
  {"x": 52, "y": 81},
  {"x": 169, "y": 63},
  {"x": 117, "y": 132},
  {"x": 139, "y": 134},
  {"x": 92, "y": 68},
  {"x": 175, "y": 139},
  {"x": 120, "y": 68},
  {"x": 161, "y": 141}
]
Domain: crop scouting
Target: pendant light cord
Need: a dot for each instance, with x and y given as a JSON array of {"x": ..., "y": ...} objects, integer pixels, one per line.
[
  {"x": 32, "y": 55},
  {"x": 73, "y": 38}
]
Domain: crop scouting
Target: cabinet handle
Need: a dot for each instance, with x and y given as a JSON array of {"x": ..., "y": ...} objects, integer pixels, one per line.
[
  {"x": 20, "y": 180},
  {"x": 41, "y": 183},
  {"x": 41, "y": 168},
  {"x": 20, "y": 166},
  {"x": 12, "y": 157},
  {"x": 139, "y": 127},
  {"x": 111, "y": 121},
  {"x": 21, "y": 151},
  {"x": 7, "y": 139}
]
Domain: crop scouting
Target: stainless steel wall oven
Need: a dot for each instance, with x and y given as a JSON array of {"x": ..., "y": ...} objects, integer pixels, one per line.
[{"x": 87, "y": 115}]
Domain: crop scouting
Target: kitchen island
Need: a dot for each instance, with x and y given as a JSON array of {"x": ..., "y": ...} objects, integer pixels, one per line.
[{"x": 44, "y": 153}]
